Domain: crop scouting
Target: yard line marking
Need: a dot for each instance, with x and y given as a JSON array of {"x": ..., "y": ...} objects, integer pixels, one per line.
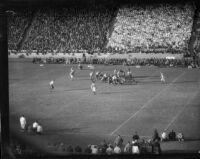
[
  {"x": 179, "y": 113},
  {"x": 147, "y": 103}
]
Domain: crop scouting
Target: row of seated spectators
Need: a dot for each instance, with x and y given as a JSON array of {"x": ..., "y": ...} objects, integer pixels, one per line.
[
  {"x": 20, "y": 148},
  {"x": 136, "y": 145},
  {"x": 152, "y": 26},
  {"x": 69, "y": 28},
  {"x": 120, "y": 61}
]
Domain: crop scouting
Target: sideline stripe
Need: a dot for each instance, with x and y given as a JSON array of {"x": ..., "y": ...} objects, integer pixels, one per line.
[{"x": 147, "y": 103}]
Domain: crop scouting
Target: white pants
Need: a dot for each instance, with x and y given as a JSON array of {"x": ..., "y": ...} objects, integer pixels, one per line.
[
  {"x": 23, "y": 125},
  {"x": 71, "y": 76}
]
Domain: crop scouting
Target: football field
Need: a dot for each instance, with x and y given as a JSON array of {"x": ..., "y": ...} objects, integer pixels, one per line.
[{"x": 72, "y": 114}]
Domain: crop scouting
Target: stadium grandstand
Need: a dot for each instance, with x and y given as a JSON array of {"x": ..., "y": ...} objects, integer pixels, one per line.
[
  {"x": 120, "y": 67},
  {"x": 123, "y": 28}
]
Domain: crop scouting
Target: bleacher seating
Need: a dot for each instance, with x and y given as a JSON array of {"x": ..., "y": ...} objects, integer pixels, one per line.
[
  {"x": 162, "y": 26},
  {"x": 17, "y": 23},
  {"x": 151, "y": 28},
  {"x": 66, "y": 29}
]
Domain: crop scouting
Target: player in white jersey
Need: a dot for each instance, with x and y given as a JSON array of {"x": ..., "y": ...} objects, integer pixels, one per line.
[
  {"x": 91, "y": 66},
  {"x": 91, "y": 75},
  {"x": 93, "y": 88},
  {"x": 129, "y": 73},
  {"x": 51, "y": 83},
  {"x": 162, "y": 77},
  {"x": 72, "y": 72},
  {"x": 22, "y": 120}
]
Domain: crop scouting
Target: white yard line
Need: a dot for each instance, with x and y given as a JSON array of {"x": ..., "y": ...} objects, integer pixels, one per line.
[
  {"x": 146, "y": 104},
  {"x": 179, "y": 113}
]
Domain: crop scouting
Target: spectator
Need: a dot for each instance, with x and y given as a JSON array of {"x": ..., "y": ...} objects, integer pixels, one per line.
[
  {"x": 156, "y": 149},
  {"x": 117, "y": 150},
  {"x": 135, "y": 148},
  {"x": 78, "y": 149},
  {"x": 109, "y": 150},
  {"x": 94, "y": 149},
  {"x": 70, "y": 149},
  {"x": 118, "y": 141},
  {"x": 172, "y": 135},
  {"x": 135, "y": 138},
  {"x": 35, "y": 125},
  {"x": 164, "y": 136},
  {"x": 61, "y": 147},
  {"x": 128, "y": 148},
  {"x": 88, "y": 150},
  {"x": 103, "y": 146},
  {"x": 39, "y": 129},
  {"x": 180, "y": 137},
  {"x": 156, "y": 136}
]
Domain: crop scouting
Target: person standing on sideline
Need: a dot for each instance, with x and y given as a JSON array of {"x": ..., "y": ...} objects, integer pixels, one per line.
[
  {"x": 93, "y": 88},
  {"x": 22, "y": 122},
  {"x": 162, "y": 77},
  {"x": 39, "y": 129},
  {"x": 35, "y": 125},
  {"x": 51, "y": 83}
]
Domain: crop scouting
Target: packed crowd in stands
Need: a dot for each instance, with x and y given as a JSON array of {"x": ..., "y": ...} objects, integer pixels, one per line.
[
  {"x": 17, "y": 22},
  {"x": 164, "y": 28},
  {"x": 136, "y": 145},
  {"x": 66, "y": 29},
  {"x": 162, "y": 62},
  {"x": 153, "y": 26}
]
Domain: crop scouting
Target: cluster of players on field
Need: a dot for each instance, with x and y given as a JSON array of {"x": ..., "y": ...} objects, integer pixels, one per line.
[{"x": 118, "y": 77}]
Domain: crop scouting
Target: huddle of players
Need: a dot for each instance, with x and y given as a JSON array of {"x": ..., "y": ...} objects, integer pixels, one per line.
[{"x": 117, "y": 78}]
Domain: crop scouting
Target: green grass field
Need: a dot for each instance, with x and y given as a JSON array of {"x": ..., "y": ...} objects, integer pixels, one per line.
[{"x": 72, "y": 114}]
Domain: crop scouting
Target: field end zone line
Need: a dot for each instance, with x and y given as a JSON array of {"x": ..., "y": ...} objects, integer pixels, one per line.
[
  {"x": 179, "y": 113},
  {"x": 146, "y": 104}
]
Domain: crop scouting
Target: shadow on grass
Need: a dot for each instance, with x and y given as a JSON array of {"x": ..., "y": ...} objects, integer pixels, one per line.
[
  {"x": 182, "y": 82},
  {"x": 113, "y": 92},
  {"x": 149, "y": 82},
  {"x": 145, "y": 76},
  {"x": 83, "y": 89},
  {"x": 60, "y": 131}
]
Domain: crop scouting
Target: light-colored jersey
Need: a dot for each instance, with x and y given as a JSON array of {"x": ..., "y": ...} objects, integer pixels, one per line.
[
  {"x": 39, "y": 129},
  {"x": 22, "y": 120},
  {"x": 35, "y": 125},
  {"x": 93, "y": 87},
  {"x": 72, "y": 71},
  {"x": 114, "y": 77},
  {"x": 91, "y": 74},
  {"x": 162, "y": 76},
  {"x": 91, "y": 66},
  {"x": 51, "y": 83},
  {"x": 129, "y": 73}
]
